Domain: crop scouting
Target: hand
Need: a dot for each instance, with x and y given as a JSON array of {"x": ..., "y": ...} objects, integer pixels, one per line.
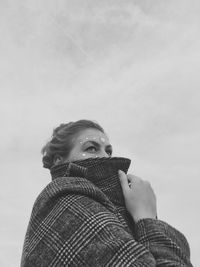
[{"x": 140, "y": 199}]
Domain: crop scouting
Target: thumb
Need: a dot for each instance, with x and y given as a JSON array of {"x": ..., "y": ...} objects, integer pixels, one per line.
[{"x": 123, "y": 180}]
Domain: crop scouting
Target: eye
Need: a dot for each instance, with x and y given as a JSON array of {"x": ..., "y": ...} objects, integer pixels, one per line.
[
  {"x": 91, "y": 149},
  {"x": 109, "y": 152}
]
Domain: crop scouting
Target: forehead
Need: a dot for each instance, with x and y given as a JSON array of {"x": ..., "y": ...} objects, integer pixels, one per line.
[{"x": 92, "y": 135}]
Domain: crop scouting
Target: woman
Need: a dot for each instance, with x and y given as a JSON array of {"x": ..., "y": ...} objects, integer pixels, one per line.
[{"x": 93, "y": 213}]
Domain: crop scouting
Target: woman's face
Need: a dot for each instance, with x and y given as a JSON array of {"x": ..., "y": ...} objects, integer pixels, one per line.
[{"x": 90, "y": 143}]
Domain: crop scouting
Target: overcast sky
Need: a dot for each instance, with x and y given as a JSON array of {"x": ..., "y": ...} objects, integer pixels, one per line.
[{"x": 133, "y": 66}]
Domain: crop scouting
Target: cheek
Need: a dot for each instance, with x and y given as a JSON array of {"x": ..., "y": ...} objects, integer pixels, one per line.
[
  {"x": 80, "y": 156},
  {"x": 77, "y": 154},
  {"x": 86, "y": 156}
]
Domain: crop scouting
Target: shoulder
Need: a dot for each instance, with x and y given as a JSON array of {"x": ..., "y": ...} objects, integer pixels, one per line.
[
  {"x": 73, "y": 195},
  {"x": 61, "y": 209}
]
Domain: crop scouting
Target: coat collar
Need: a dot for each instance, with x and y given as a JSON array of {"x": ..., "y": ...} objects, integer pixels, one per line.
[{"x": 101, "y": 172}]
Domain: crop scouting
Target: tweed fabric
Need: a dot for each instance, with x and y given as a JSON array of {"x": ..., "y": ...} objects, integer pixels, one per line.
[{"x": 80, "y": 219}]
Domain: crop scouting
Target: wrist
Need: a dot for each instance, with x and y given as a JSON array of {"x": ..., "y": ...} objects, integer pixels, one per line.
[{"x": 137, "y": 217}]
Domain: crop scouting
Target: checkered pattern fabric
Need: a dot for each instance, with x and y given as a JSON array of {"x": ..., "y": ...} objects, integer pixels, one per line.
[{"x": 80, "y": 219}]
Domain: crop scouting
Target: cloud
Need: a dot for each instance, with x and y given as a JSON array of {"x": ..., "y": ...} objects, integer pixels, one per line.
[{"x": 131, "y": 65}]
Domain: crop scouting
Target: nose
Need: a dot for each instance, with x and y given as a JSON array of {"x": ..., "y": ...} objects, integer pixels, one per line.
[{"x": 103, "y": 154}]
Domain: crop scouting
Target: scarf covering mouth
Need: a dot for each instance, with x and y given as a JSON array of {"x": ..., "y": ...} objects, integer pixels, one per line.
[{"x": 102, "y": 172}]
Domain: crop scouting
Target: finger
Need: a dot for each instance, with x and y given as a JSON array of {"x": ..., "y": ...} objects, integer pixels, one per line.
[
  {"x": 124, "y": 181},
  {"x": 133, "y": 179}
]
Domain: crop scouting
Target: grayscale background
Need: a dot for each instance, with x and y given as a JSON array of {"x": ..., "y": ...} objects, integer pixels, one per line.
[{"x": 131, "y": 65}]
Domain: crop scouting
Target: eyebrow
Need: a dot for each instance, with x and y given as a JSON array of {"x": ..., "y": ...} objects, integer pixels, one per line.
[{"x": 97, "y": 144}]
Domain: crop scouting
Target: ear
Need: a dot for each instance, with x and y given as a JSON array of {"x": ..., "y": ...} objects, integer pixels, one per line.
[{"x": 58, "y": 160}]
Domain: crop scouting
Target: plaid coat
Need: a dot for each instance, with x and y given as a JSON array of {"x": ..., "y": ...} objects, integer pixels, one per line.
[{"x": 80, "y": 219}]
